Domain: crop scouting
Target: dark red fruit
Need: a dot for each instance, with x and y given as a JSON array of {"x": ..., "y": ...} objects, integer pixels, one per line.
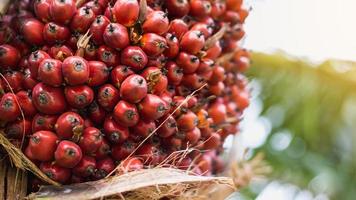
[
  {"x": 174, "y": 73},
  {"x": 95, "y": 6},
  {"x": 108, "y": 96},
  {"x": 41, "y": 9},
  {"x": 134, "y": 57},
  {"x": 131, "y": 164},
  {"x": 91, "y": 140},
  {"x": 97, "y": 29},
  {"x": 25, "y": 100},
  {"x": 192, "y": 42},
  {"x": 62, "y": 11},
  {"x": 168, "y": 128},
  {"x": 126, "y": 114},
  {"x": 9, "y": 108},
  {"x": 43, "y": 145},
  {"x": 189, "y": 63},
  {"x": 67, "y": 154},
  {"x": 50, "y": 72},
  {"x": 28, "y": 82},
  {"x": 157, "y": 82},
  {"x": 55, "y": 172},
  {"x": 152, "y": 107},
  {"x": 177, "y": 8},
  {"x": 69, "y": 125},
  {"x": 34, "y": 61},
  {"x": 119, "y": 74},
  {"x": 104, "y": 167},
  {"x": 122, "y": 16},
  {"x": 192, "y": 81},
  {"x": 60, "y": 52},
  {"x": 32, "y": 30},
  {"x": 156, "y": 22},
  {"x": 48, "y": 100},
  {"x": 122, "y": 151},
  {"x": 18, "y": 129},
  {"x": 96, "y": 113},
  {"x": 86, "y": 167},
  {"x": 114, "y": 132},
  {"x": 79, "y": 96},
  {"x": 54, "y": 33},
  {"x": 82, "y": 19},
  {"x": 218, "y": 75},
  {"x": 193, "y": 136},
  {"x": 212, "y": 142},
  {"x": 153, "y": 44},
  {"x": 178, "y": 28},
  {"x": 13, "y": 80},
  {"x": 108, "y": 55},
  {"x": 133, "y": 89},
  {"x": 173, "y": 46},
  {"x": 200, "y": 8},
  {"x": 214, "y": 51},
  {"x": 75, "y": 70},
  {"x": 99, "y": 73},
  {"x": 103, "y": 150},
  {"x": 43, "y": 122},
  {"x": 187, "y": 121},
  {"x": 143, "y": 128},
  {"x": 9, "y": 57},
  {"x": 149, "y": 154},
  {"x": 116, "y": 36}
]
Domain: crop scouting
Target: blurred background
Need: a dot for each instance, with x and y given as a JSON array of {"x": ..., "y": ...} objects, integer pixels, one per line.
[{"x": 303, "y": 110}]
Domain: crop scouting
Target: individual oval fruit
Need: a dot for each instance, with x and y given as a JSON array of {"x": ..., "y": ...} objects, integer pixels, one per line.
[
  {"x": 43, "y": 145},
  {"x": 126, "y": 114},
  {"x": 133, "y": 89},
  {"x": 68, "y": 154},
  {"x": 48, "y": 100},
  {"x": 75, "y": 70}
]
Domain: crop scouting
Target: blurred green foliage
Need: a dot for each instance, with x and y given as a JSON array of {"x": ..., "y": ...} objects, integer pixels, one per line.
[{"x": 315, "y": 106}]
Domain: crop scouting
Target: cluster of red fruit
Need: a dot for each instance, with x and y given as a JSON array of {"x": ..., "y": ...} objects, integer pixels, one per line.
[{"x": 83, "y": 83}]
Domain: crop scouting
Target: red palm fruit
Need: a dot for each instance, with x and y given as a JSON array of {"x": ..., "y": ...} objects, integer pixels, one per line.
[
  {"x": 18, "y": 129},
  {"x": 177, "y": 8},
  {"x": 99, "y": 73},
  {"x": 108, "y": 55},
  {"x": 143, "y": 128},
  {"x": 134, "y": 57},
  {"x": 108, "y": 13},
  {"x": 21, "y": 45},
  {"x": 32, "y": 30},
  {"x": 73, "y": 40},
  {"x": 90, "y": 52},
  {"x": 192, "y": 42},
  {"x": 212, "y": 142},
  {"x": 122, "y": 16},
  {"x": 204, "y": 163},
  {"x": 200, "y": 8},
  {"x": 69, "y": 125},
  {"x": 68, "y": 154},
  {"x": 218, "y": 75},
  {"x": 214, "y": 51},
  {"x": 231, "y": 17},
  {"x": 217, "y": 111},
  {"x": 159, "y": 61},
  {"x": 131, "y": 164},
  {"x": 60, "y": 52},
  {"x": 193, "y": 136},
  {"x": 122, "y": 151},
  {"x": 153, "y": 44},
  {"x": 9, "y": 56},
  {"x": 173, "y": 46},
  {"x": 168, "y": 128},
  {"x": 75, "y": 70},
  {"x": 206, "y": 29},
  {"x": 133, "y": 89},
  {"x": 217, "y": 89},
  {"x": 95, "y": 6},
  {"x": 149, "y": 153},
  {"x": 243, "y": 14},
  {"x": 88, "y": 123},
  {"x": 205, "y": 65},
  {"x": 54, "y": 33},
  {"x": 25, "y": 100},
  {"x": 189, "y": 63},
  {"x": 156, "y": 22},
  {"x": 126, "y": 114},
  {"x": 174, "y": 73},
  {"x": 50, "y": 72},
  {"x": 104, "y": 167},
  {"x": 192, "y": 81},
  {"x": 96, "y": 113},
  {"x": 103, "y": 150},
  {"x": 152, "y": 107},
  {"x": 7, "y": 34},
  {"x": 119, "y": 74},
  {"x": 9, "y": 108},
  {"x": 178, "y": 101},
  {"x": 97, "y": 29},
  {"x": 116, "y": 36},
  {"x": 79, "y": 96},
  {"x": 43, "y": 145},
  {"x": 90, "y": 140},
  {"x": 157, "y": 82},
  {"x": 28, "y": 81},
  {"x": 217, "y": 9},
  {"x": 187, "y": 121},
  {"x": 178, "y": 28},
  {"x": 233, "y": 4},
  {"x": 114, "y": 132},
  {"x": 41, "y": 9},
  {"x": 55, "y": 172},
  {"x": 241, "y": 97},
  {"x": 42, "y": 122},
  {"x": 82, "y": 19},
  {"x": 14, "y": 78},
  {"x": 62, "y": 11},
  {"x": 86, "y": 167},
  {"x": 48, "y": 100},
  {"x": 108, "y": 96}
]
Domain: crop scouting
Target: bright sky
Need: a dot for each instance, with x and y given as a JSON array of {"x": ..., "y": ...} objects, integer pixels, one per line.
[{"x": 316, "y": 29}]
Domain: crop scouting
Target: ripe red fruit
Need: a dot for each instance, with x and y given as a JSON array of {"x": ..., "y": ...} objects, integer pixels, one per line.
[
  {"x": 50, "y": 72},
  {"x": 104, "y": 167},
  {"x": 178, "y": 28},
  {"x": 187, "y": 121},
  {"x": 108, "y": 55},
  {"x": 114, "y": 132},
  {"x": 152, "y": 107},
  {"x": 143, "y": 128},
  {"x": 48, "y": 100},
  {"x": 173, "y": 46},
  {"x": 68, "y": 154},
  {"x": 108, "y": 96},
  {"x": 168, "y": 128},
  {"x": 217, "y": 89},
  {"x": 9, "y": 56},
  {"x": 82, "y": 19},
  {"x": 55, "y": 172},
  {"x": 91, "y": 140},
  {"x": 204, "y": 28},
  {"x": 217, "y": 9},
  {"x": 25, "y": 100},
  {"x": 157, "y": 82},
  {"x": 86, "y": 167},
  {"x": 96, "y": 113},
  {"x": 97, "y": 29},
  {"x": 193, "y": 136},
  {"x": 62, "y": 11},
  {"x": 192, "y": 81},
  {"x": 233, "y": 4},
  {"x": 43, "y": 144},
  {"x": 60, "y": 52},
  {"x": 43, "y": 122},
  {"x": 217, "y": 111},
  {"x": 14, "y": 78},
  {"x": 131, "y": 164},
  {"x": 218, "y": 75},
  {"x": 54, "y": 33},
  {"x": 212, "y": 142},
  {"x": 134, "y": 57},
  {"x": 156, "y": 22},
  {"x": 34, "y": 61},
  {"x": 153, "y": 44},
  {"x": 122, "y": 16},
  {"x": 214, "y": 51},
  {"x": 149, "y": 154},
  {"x": 9, "y": 108},
  {"x": 18, "y": 129},
  {"x": 177, "y": 8},
  {"x": 75, "y": 70},
  {"x": 99, "y": 73},
  {"x": 116, "y": 36},
  {"x": 79, "y": 96},
  {"x": 122, "y": 151},
  {"x": 69, "y": 125},
  {"x": 119, "y": 74},
  {"x": 126, "y": 114},
  {"x": 133, "y": 89},
  {"x": 95, "y": 6},
  {"x": 90, "y": 51},
  {"x": 192, "y": 42},
  {"x": 159, "y": 61},
  {"x": 189, "y": 63},
  {"x": 174, "y": 73},
  {"x": 41, "y": 9},
  {"x": 103, "y": 150},
  {"x": 28, "y": 82},
  {"x": 200, "y": 8},
  {"x": 32, "y": 30}
]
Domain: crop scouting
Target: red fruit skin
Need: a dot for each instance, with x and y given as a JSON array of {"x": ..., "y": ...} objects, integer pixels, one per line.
[
  {"x": 218, "y": 75},
  {"x": 9, "y": 56},
  {"x": 114, "y": 132},
  {"x": 119, "y": 74},
  {"x": 29, "y": 154},
  {"x": 79, "y": 96},
  {"x": 96, "y": 113},
  {"x": 173, "y": 46},
  {"x": 14, "y": 79},
  {"x": 189, "y": 63},
  {"x": 177, "y": 8},
  {"x": 43, "y": 144},
  {"x": 68, "y": 125},
  {"x": 204, "y": 29},
  {"x": 153, "y": 44},
  {"x": 233, "y": 4},
  {"x": 187, "y": 121},
  {"x": 131, "y": 164},
  {"x": 217, "y": 111},
  {"x": 75, "y": 70},
  {"x": 217, "y": 9},
  {"x": 192, "y": 42},
  {"x": 108, "y": 55},
  {"x": 91, "y": 140},
  {"x": 42, "y": 122},
  {"x": 82, "y": 19},
  {"x": 193, "y": 136},
  {"x": 143, "y": 128},
  {"x": 55, "y": 172},
  {"x": 60, "y": 52},
  {"x": 67, "y": 154},
  {"x": 62, "y": 11},
  {"x": 34, "y": 61},
  {"x": 103, "y": 150},
  {"x": 18, "y": 129},
  {"x": 50, "y": 72},
  {"x": 133, "y": 89},
  {"x": 41, "y": 9},
  {"x": 174, "y": 73},
  {"x": 86, "y": 167},
  {"x": 25, "y": 100},
  {"x": 214, "y": 51},
  {"x": 95, "y": 6},
  {"x": 116, "y": 36},
  {"x": 108, "y": 96},
  {"x": 121, "y": 15},
  {"x": 90, "y": 52},
  {"x": 32, "y": 30},
  {"x": 122, "y": 151},
  {"x": 159, "y": 61},
  {"x": 168, "y": 128},
  {"x": 192, "y": 81},
  {"x": 104, "y": 167},
  {"x": 152, "y": 107},
  {"x": 97, "y": 29},
  {"x": 48, "y": 100},
  {"x": 134, "y": 57},
  {"x": 126, "y": 114},
  {"x": 149, "y": 154},
  {"x": 99, "y": 73},
  {"x": 7, "y": 34},
  {"x": 212, "y": 142},
  {"x": 54, "y": 33},
  {"x": 200, "y": 8},
  {"x": 157, "y": 82},
  {"x": 9, "y": 108},
  {"x": 178, "y": 28},
  {"x": 156, "y": 22}
]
